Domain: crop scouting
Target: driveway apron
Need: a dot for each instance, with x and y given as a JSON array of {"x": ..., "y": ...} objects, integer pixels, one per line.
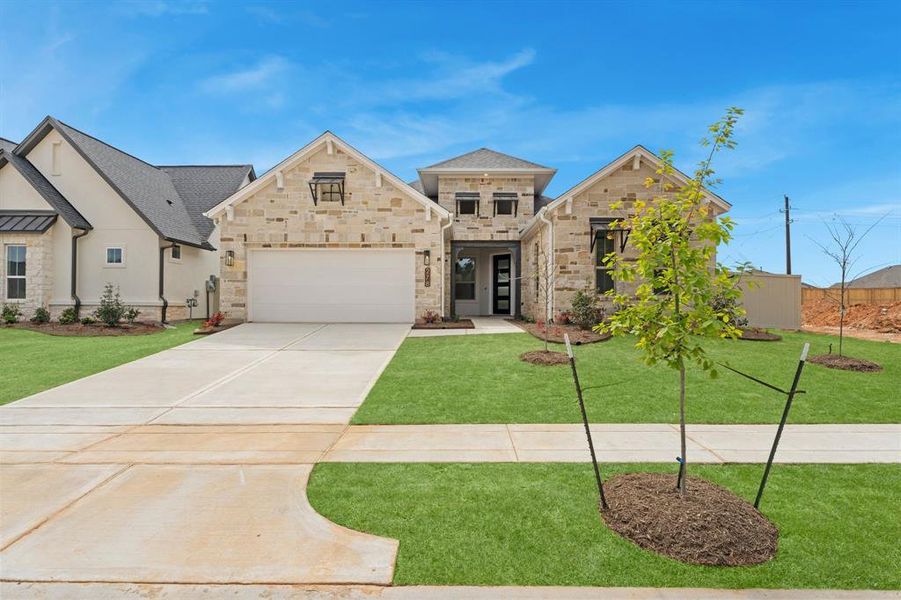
[{"x": 191, "y": 465}]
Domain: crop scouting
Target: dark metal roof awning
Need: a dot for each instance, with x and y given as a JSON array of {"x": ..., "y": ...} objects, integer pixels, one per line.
[
  {"x": 603, "y": 224},
  {"x": 26, "y": 221},
  {"x": 467, "y": 196},
  {"x": 506, "y": 197},
  {"x": 331, "y": 181}
]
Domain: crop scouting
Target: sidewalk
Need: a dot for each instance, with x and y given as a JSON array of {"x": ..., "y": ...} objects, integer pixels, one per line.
[{"x": 616, "y": 443}]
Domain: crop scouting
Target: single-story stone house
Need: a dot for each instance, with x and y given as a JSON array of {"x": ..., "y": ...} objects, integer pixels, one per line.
[
  {"x": 330, "y": 235},
  {"x": 77, "y": 213}
]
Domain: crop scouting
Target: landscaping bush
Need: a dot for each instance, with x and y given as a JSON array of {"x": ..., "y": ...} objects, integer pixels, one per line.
[
  {"x": 111, "y": 310},
  {"x": 431, "y": 316},
  {"x": 88, "y": 320},
  {"x": 131, "y": 315},
  {"x": 68, "y": 316},
  {"x": 41, "y": 315},
  {"x": 586, "y": 310},
  {"x": 11, "y": 313},
  {"x": 215, "y": 320}
]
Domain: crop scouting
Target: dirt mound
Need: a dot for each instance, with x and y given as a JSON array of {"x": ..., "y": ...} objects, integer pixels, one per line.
[
  {"x": 824, "y": 313},
  {"x": 845, "y": 363},
  {"x": 708, "y": 526},
  {"x": 540, "y": 357},
  {"x": 755, "y": 334}
]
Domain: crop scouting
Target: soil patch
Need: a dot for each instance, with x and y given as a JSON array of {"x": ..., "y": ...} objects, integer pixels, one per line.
[
  {"x": 459, "y": 324},
  {"x": 845, "y": 363},
  {"x": 540, "y": 357},
  {"x": 92, "y": 330},
  {"x": 885, "y": 318},
  {"x": 708, "y": 526},
  {"x": 577, "y": 336},
  {"x": 759, "y": 335}
]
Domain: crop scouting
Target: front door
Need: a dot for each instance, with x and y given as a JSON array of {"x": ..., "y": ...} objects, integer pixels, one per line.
[{"x": 501, "y": 284}]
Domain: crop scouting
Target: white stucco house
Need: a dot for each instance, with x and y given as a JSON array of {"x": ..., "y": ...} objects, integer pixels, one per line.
[{"x": 77, "y": 213}]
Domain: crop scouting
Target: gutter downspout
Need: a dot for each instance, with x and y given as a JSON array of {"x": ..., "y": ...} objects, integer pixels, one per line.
[
  {"x": 550, "y": 258},
  {"x": 74, "y": 282},
  {"x": 450, "y": 221},
  {"x": 162, "y": 281}
]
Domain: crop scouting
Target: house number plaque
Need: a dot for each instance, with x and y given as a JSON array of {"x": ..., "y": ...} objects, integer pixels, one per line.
[{"x": 428, "y": 276}]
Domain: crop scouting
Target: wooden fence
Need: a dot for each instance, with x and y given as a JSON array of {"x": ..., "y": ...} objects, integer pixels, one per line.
[{"x": 875, "y": 296}]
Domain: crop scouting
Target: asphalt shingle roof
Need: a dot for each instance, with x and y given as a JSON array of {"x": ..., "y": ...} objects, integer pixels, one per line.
[
  {"x": 203, "y": 187},
  {"x": 43, "y": 187},
  {"x": 7, "y": 145},
  {"x": 484, "y": 158},
  {"x": 887, "y": 277}
]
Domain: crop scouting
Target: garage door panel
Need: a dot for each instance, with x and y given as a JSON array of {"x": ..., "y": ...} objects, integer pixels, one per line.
[{"x": 332, "y": 286}]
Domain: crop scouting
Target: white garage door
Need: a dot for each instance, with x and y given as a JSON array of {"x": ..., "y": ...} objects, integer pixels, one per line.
[{"x": 338, "y": 286}]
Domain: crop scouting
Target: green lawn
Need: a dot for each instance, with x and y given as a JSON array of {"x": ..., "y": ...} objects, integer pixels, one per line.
[
  {"x": 33, "y": 362},
  {"x": 537, "y": 524},
  {"x": 480, "y": 379}
]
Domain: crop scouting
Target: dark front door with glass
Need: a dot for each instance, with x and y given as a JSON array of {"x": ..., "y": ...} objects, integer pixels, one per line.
[{"x": 502, "y": 284}]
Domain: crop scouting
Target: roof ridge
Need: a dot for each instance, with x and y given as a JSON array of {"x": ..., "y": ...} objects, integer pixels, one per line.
[
  {"x": 532, "y": 164},
  {"x": 107, "y": 144}
]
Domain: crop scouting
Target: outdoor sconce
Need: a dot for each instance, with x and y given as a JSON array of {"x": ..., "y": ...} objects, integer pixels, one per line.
[
  {"x": 229, "y": 258},
  {"x": 426, "y": 257}
]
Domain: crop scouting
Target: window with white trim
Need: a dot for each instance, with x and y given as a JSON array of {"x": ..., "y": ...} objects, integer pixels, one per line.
[
  {"x": 15, "y": 272},
  {"x": 115, "y": 256}
]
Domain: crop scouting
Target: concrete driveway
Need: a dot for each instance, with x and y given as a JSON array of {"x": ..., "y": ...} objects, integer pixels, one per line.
[{"x": 190, "y": 465}]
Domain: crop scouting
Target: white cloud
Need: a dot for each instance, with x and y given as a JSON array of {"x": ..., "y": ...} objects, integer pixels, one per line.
[
  {"x": 159, "y": 8},
  {"x": 251, "y": 78}
]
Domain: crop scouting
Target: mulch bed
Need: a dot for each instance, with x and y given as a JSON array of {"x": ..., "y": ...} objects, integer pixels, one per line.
[
  {"x": 759, "y": 335},
  {"x": 540, "y": 357},
  {"x": 845, "y": 363},
  {"x": 208, "y": 330},
  {"x": 577, "y": 335},
  {"x": 92, "y": 330},
  {"x": 459, "y": 324},
  {"x": 708, "y": 526}
]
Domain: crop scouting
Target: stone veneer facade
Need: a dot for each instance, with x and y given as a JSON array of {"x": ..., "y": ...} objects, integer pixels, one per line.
[
  {"x": 574, "y": 258},
  {"x": 38, "y": 269},
  {"x": 373, "y": 216}
]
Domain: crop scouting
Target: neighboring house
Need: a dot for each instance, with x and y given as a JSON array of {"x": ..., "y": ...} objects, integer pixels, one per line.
[
  {"x": 329, "y": 235},
  {"x": 886, "y": 277},
  {"x": 77, "y": 213}
]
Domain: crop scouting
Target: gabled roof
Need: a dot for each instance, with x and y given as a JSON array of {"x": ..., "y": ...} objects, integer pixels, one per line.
[
  {"x": 485, "y": 161},
  {"x": 203, "y": 187},
  {"x": 638, "y": 152},
  {"x": 150, "y": 191},
  {"x": 486, "y": 158},
  {"x": 326, "y": 139},
  {"x": 887, "y": 277},
  {"x": 43, "y": 187}
]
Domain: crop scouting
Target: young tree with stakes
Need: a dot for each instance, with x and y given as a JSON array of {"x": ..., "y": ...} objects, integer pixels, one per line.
[
  {"x": 841, "y": 250},
  {"x": 545, "y": 278},
  {"x": 676, "y": 236}
]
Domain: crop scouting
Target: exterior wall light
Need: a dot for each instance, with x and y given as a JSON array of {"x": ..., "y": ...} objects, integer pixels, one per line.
[
  {"x": 229, "y": 258},
  {"x": 426, "y": 257}
]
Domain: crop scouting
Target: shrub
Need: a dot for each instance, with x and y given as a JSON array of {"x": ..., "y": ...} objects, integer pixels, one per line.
[
  {"x": 111, "y": 309},
  {"x": 431, "y": 316},
  {"x": 215, "y": 320},
  {"x": 563, "y": 318},
  {"x": 68, "y": 316},
  {"x": 131, "y": 314},
  {"x": 88, "y": 320},
  {"x": 41, "y": 315},
  {"x": 11, "y": 313},
  {"x": 586, "y": 309}
]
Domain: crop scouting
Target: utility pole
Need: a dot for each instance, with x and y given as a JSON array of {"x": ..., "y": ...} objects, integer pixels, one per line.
[{"x": 788, "y": 237}]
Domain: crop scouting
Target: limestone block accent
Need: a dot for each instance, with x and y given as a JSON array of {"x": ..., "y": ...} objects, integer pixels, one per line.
[
  {"x": 38, "y": 269},
  {"x": 485, "y": 225},
  {"x": 373, "y": 216}
]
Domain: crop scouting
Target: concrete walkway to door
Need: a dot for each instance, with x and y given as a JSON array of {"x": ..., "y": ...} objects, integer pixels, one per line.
[{"x": 190, "y": 466}]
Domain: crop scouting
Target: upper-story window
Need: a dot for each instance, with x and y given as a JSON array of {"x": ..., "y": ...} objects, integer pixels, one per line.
[
  {"x": 506, "y": 203},
  {"x": 15, "y": 272},
  {"x": 175, "y": 252},
  {"x": 115, "y": 256},
  {"x": 467, "y": 203}
]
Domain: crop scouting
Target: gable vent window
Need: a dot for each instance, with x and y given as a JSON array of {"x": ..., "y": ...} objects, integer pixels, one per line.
[
  {"x": 506, "y": 203},
  {"x": 467, "y": 203},
  {"x": 176, "y": 252},
  {"x": 327, "y": 187},
  {"x": 115, "y": 256}
]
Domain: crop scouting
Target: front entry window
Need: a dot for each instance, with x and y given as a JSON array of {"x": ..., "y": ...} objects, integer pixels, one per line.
[
  {"x": 465, "y": 287},
  {"x": 15, "y": 272}
]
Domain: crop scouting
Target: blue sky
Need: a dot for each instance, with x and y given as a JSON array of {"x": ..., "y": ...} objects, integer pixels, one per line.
[{"x": 569, "y": 85}]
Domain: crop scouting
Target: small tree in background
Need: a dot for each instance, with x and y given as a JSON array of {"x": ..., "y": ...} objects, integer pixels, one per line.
[
  {"x": 545, "y": 279},
  {"x": 676, "y": 236},
  {"x": 841, "y": 250}
]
